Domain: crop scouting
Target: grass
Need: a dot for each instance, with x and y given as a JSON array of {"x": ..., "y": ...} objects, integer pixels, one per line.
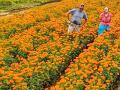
[{"x": 9, "y": 5}]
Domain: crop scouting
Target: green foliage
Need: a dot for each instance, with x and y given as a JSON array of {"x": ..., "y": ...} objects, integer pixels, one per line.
[
  {"x": 106, "y": 74},
  {"x": 16, "y": 51},
  {"x": 9, "y": 60},
  {"x": 114, "y": 70},
  {"x": 51, "y": 38},
  {"x": 47, "y": 17},
  {"x": 17, "y": 4},
  {"x": 45, "y": 59},
  {"x": 24, "y": 26},
  {"x": 116, "y": 58},
  {"x": 74, "y": 53},
  {"x": 22, "y": 54},
  {"x": 103, "y": 47},
  {"x": 35, "y": 82},
  {"x": 80, "y": 87},
  {"x": 87, "y": 40},
  {"x": 4, "y": 4},
  {"x": 57, "y": 14},
  {"x": 9, "y": 33},
  {"x": 5, "y": 87},
  {"x": 36, "y": 42},
  {"x": 112, "y": 37},
  {"x": 50, "y": 30}
]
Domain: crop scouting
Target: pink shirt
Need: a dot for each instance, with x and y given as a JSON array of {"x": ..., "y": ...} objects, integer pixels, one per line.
[{"x": 105, "y": 18}]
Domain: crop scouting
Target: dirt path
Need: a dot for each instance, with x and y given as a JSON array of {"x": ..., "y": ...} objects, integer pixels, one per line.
[
  {"x": 22, "y": 10},
  {"x": 117, "y": 85}
]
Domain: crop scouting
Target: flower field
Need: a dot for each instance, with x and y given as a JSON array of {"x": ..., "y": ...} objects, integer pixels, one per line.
[
  {"x": 37, "y": 53},
  {"x": 96, "y": 68}
]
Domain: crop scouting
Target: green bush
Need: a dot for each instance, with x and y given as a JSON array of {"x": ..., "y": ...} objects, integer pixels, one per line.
[
  {"x": 16, "y": 51},
  {"x": 17, "y": 4},
  {"x": 9, "y": 33},
  {"x": 5, "y": 3},
  {"x": 9, "y": 60}
]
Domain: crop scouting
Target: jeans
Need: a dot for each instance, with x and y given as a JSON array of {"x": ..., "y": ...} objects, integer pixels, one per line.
[{"x": 102, "y": 28}]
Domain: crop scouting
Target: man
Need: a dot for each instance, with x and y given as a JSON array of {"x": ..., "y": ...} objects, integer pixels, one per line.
[{"x": 77, "y": 16}]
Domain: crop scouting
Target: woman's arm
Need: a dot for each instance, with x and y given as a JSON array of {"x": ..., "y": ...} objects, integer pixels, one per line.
[
  {"x": 101, "y": 17},
  {"x": 110, "y": 17}
]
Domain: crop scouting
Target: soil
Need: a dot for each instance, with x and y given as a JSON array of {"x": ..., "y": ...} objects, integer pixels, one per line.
[{"x": 116, "y": 84}]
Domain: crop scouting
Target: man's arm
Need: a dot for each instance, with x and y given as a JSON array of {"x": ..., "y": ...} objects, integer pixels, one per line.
[
  {"x": 85, "y": 22},
  {"x": 70, "y": 12},
  {"x": 68, "y": 15},
  {"x": 85, "y": 18}
]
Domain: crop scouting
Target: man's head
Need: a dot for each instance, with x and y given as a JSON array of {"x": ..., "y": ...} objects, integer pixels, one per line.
[
  {"x": 106, "y": 9},
  {"x": 81, "y": 7}
]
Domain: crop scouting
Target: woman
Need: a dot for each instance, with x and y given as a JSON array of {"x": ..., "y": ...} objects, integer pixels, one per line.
[{"x": 105, "y": 21}]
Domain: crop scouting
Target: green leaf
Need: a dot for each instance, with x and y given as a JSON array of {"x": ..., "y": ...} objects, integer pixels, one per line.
[
  {"x": 106, "y": 74},
  {"x": 80, "y": 87}
]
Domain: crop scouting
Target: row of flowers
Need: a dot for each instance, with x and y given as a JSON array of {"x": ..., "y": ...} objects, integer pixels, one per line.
[
  {"x": 35, "y": 61},
  {"x": 97, "y": 68}
]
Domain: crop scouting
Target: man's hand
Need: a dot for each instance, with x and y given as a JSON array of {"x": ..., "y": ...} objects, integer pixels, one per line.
[
  {"x": 85, "y": 22},
  {"x": 68, "y": 21},
  {"x": 66, "y": 14},
  {"x": 83, "y": 26}
]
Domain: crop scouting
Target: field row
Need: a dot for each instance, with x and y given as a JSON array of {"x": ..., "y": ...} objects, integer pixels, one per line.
[{"x": 97, "y": 68}]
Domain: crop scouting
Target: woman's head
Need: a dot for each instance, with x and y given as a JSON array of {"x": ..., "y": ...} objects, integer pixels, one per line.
[{"x": 106, "y": 9}]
